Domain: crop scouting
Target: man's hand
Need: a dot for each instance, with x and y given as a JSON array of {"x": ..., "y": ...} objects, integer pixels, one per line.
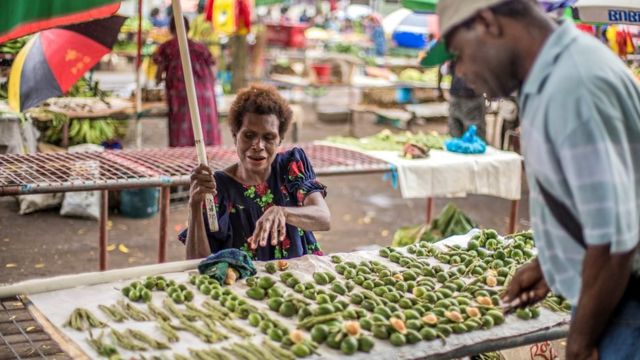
[
  {"x": 579, "y": 352},
  {"x": 527, "y": 286},
  {"x": 202, "y": 183},
  {"x": 272, "y": 224}
]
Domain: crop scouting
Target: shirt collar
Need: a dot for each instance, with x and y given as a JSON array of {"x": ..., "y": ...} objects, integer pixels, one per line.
[{"x": 552, "y": 50}]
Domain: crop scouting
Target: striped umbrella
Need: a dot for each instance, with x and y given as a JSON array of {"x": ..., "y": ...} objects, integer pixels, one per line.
[
  {"x": 53, "y": 60},
  {"x": 19, "y": 17}
]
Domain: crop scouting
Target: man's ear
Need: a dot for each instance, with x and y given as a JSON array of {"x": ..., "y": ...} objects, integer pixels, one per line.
[{"x": 490, "y": 23}]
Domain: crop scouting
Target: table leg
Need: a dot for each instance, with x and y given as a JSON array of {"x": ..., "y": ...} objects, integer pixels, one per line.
[
  {"x": 164, "y": 218},
  {"x": 429, "y": 209},
  {"x": 513, "y": 216},
  {"x": 104, "y": 219}
]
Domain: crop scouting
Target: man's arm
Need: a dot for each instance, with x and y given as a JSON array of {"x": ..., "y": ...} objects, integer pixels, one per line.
[{"x": 604, "y": 279}]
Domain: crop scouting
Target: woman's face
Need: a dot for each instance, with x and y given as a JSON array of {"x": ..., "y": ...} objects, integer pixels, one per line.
[{"x": 257, "y": 142}]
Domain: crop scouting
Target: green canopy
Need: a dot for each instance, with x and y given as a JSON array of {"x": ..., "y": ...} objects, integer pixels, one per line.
[
  {"x": 268, "y": 2},
  {"x": 19, "y": 18},
  {"x": 420, "y": 5}
]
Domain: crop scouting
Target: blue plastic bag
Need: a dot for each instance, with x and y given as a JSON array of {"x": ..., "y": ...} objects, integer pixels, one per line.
[{"x": 469, "y": 143}]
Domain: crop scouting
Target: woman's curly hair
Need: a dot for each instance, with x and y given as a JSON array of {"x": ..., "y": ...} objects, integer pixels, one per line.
[{"x": 261, "y": 100}]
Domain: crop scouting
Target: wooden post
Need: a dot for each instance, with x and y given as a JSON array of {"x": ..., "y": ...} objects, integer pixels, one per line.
[
  {"x": 164, "y": 219},
  {"x": 193, "y": 104},
  {"x": 513, "y": 216},
  {"x": 104, "y": 219},
  {"x": 429, "y": 210}
]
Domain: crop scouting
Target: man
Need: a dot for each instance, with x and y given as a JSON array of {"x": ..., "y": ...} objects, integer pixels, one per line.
[
  {"x": 580, "y": 111},
  {"x": 466, "y": 107}
]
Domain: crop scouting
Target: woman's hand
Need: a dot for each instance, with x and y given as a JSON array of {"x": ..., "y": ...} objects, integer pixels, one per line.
[
  {"x": 271, "y": 224},
  {"x": 202, "y": 183}
]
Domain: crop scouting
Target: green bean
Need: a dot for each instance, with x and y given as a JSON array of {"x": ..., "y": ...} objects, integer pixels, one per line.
[
  {"x": 103, "y": 349},
  {"x": 133, "y": 312},
  {"x": 311, "y": 321},
  {"x": 168, "y": 331},
  {"x": 180, "y": 357},
  {"x": 126, "y": 343},
  {"x": 158, "y": 313},
  {"x": 278, "y": 351},
  {"x": 142, "y": 337},
  {"x": 238, "y": 330}
]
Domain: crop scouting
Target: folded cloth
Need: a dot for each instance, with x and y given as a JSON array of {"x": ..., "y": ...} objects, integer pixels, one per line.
[
  {"x": 216, "y": 265},
  {"x": 469, "y": 143}
]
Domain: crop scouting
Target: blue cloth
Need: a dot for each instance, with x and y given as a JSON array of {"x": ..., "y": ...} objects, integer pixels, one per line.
[
  {"x": 216, "y": 265},
  {"x": 239, "y": 207},
  {"x": 469, "y": 143},
  {"x": 620, "y": 340},
  {"x": 377, "y": 37}
]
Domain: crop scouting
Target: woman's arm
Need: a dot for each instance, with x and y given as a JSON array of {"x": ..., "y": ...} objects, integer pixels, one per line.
[
  {"x": 197, "y": 242},
  {"x": 314, "y": 215}
]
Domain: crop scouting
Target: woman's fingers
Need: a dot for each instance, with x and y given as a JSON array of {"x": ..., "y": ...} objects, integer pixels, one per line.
[
  {"x": 274, "y": 232},
  {"x": 282, "y": 229}
]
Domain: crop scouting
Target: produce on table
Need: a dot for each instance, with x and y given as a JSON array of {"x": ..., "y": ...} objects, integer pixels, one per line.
[
  {"x": 388, "y": 141},
  {"x": 102, "y": 348},
  {"x": 451, "y": 221},
  {"x": 82, "y": 319},
  {"x": 434, "y": 292}
]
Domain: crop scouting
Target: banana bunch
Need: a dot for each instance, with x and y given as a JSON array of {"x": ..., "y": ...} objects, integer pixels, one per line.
[
  {"x": 91, "y": 131},
  {"x": 14, "y": 46}
]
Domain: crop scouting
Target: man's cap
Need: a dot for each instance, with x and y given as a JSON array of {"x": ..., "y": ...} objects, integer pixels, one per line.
[{"x": 452, "y": 13}]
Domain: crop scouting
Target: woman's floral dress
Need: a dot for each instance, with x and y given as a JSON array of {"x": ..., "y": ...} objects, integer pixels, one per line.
[{"x": 240, "y": 206}]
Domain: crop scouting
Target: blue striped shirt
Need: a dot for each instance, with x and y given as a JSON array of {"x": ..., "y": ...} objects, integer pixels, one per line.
[{"x": 581, "y": 139}]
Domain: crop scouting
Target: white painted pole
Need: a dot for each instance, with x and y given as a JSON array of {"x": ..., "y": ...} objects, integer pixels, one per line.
[{"x": 193, "y": 104}]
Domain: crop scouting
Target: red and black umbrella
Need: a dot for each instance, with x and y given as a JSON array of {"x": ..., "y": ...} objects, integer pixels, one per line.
[{"x": 53, "y": 60}]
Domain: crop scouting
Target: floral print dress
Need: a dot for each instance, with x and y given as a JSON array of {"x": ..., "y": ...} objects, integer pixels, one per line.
[{"x": 240, "y": 206}]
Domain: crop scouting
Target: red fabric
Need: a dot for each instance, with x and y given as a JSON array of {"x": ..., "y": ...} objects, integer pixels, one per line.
[
  {"x": 586, "y": 28},
  {"x": 208, "y": 10},
  {"x": 180, "y": 130},
  {"x": 69, "y": 55},
  {"x": 622, "y": 39},
  {"x": 243, "y": 16},
  {"x": 333, "y": 5}
]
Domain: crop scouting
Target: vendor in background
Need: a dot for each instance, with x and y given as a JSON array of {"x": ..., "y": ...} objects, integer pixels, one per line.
[
  {"x": 466, "y": 107},
  {"x": 373, "y": 24},
  {"x": 580, "y": 111},
  {"x": 269, "y": 202},
  {"x": 157, "y": 20},
  {"x": 167, "y": 57}
]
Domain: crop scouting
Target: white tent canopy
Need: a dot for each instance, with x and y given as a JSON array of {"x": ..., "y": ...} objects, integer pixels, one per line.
[{"x": 610, "y": 11}]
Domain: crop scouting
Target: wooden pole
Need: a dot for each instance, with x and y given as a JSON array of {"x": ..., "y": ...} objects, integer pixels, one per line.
[
  {"x": 138, "y": 81},
  {"x": 193, "y": 104}
]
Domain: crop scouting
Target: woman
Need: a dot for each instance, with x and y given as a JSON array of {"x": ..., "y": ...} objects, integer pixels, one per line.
[
  {"x": 269, "y": 202},
  {"x": 167, "y": 57}
]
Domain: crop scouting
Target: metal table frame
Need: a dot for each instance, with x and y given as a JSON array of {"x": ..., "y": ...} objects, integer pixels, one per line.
[{"x": 134, "y": 169}]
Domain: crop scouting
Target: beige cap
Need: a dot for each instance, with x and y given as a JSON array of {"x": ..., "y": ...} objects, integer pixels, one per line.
[{"x": 454, "y": 12}]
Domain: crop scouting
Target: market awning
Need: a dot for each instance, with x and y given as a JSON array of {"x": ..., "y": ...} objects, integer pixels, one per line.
[
  {"x": 268, "y": 2},
  {"x": 20, "y": 18},
  {"x": 427, "y": 6},
  {"x": 609, "y": 11}
]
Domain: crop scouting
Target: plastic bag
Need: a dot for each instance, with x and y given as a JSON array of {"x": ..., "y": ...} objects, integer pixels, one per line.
[
  {"x": 36, "y": 202},
  {"x": 469, "y": 143},
  {"x": 84, "y": 204}
]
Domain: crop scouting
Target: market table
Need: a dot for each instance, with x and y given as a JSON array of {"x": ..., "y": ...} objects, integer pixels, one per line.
[
  {"x": 49, "y": 303},
  {"x": 445, "y": 174},
  {"x": 130, "y": 169}
]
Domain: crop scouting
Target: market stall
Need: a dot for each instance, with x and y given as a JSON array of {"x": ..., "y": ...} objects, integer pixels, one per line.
[
  {"x": 430, "y": 308},
  {"x": 129, "y": 169},
  {"x": 442, "y": 173}
]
